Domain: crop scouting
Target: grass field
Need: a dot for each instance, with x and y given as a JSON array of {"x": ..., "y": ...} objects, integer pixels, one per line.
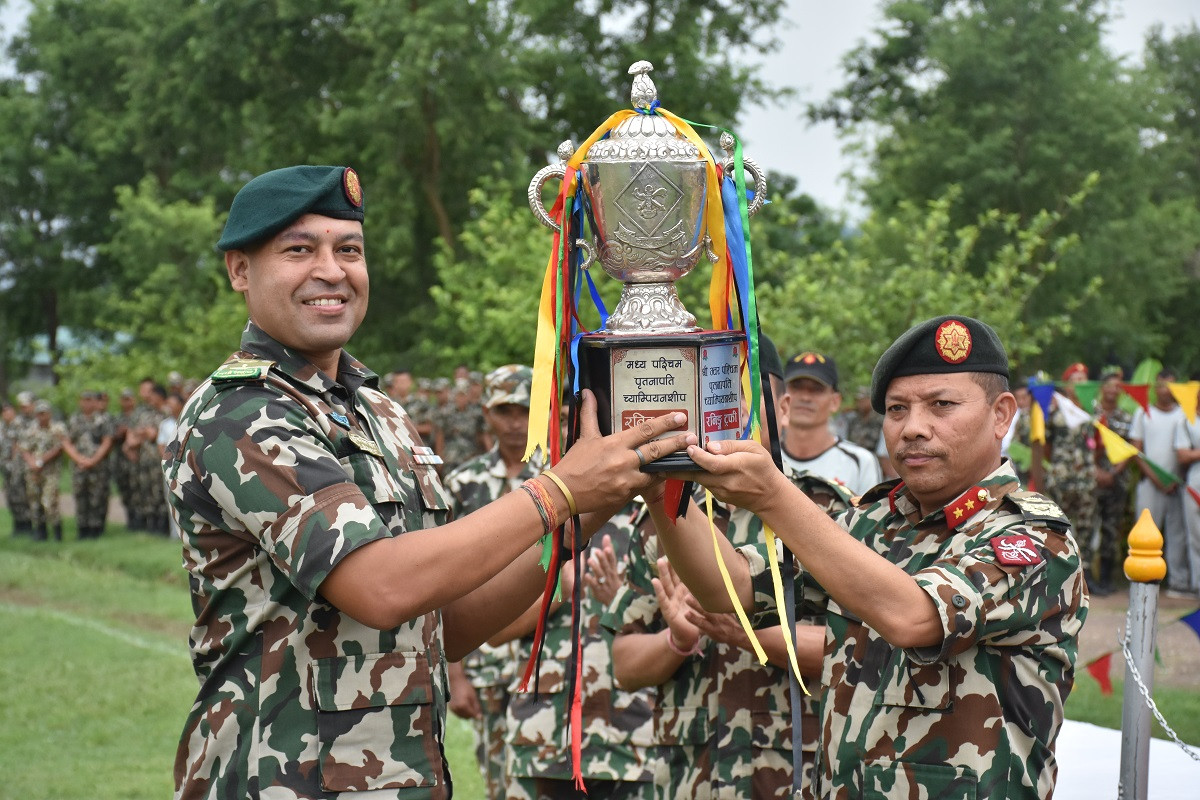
[{"x": 95, "y": 680}]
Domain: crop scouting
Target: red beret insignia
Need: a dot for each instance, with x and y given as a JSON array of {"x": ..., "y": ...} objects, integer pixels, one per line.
[
  {"x": 952, "y": 341},
  {"x": 1016, "y": 550},
  {"x": 352, "y": 187}
]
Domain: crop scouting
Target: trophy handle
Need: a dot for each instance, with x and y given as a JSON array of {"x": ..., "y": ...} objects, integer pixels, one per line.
[
  {"x": 589, "y": 251},
  {"x": 750, "y": 166},
  {"x": 559, "y": 170}
]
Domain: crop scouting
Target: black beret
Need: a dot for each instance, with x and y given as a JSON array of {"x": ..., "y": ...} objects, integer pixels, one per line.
[
  {"x": 272, "y": 201},
  {"x": 768, "y": 356},
  {"x": 939, "y": 346}
]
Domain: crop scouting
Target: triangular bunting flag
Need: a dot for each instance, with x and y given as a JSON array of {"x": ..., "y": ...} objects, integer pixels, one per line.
[
  {"x": 1073, "y": 414},
  {"x": 1118, "y": 449},
  {"x": 1139, "y": 393},
  {"x": 1099, "y": 670},
  {"x": 1086, "y": 392},
  {"x": 1037, "y": 424},
  {"x": 1144, "y": 374},
  {"x": 1167, "y": 478},
  {"x": 1043, "y": 394},
  {"x": 1192, "y": 620},
  {"x": 1185, "y": 394}
]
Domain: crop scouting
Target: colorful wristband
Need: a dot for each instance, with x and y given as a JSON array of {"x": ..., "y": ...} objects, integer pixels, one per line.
[{"x": 679, "y": 651}]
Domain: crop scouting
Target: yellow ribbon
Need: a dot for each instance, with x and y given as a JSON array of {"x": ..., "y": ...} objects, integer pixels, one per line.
[{"x": 737, "y": 603}]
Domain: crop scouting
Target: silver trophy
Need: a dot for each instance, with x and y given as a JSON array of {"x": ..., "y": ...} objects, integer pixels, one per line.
[{"x": 645, "y": 186}]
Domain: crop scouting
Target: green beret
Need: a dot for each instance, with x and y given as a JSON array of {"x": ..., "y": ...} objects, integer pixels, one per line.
[
  {"x": 768, "y": 356},
  {"x": 939, "y": 346},
  {"x": 272, "y": 201}
]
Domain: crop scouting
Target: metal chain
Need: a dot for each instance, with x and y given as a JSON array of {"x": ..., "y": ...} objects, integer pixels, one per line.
[{"x": 1137, "y": 678}]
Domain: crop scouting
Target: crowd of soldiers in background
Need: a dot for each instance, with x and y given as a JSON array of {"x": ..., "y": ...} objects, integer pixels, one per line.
[{"x": 124, "y": 446}]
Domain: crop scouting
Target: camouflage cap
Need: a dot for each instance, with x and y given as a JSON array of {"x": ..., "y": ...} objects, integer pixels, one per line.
[
  {"x": 441, "y": 384},
  {"x": 508, "y": 384},
  {"x": 272, "y": 201},
  {"x": 43, "y": 407},
  {"x": 26, "y": 398},
  {"x": 127, "y": 392}
]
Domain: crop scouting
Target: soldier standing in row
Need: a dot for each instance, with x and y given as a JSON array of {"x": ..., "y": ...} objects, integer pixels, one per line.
[
  {"x": 1112, "y": 488},
  {"x": 41, "y": 446},
  {"x": 149, "y": 499},
  {"x": 480, "y": 683},
  {"x": 16, "y": 491},
  {"x": 122, "y": 462},
  {"x": 462, "y": 427},
  {"x": 90, "y": 435}
]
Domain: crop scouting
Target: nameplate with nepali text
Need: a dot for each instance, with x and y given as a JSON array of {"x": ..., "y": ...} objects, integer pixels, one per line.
[{"x": 651, "y": 381}]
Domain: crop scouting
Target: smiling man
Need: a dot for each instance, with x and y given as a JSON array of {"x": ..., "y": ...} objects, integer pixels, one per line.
[
  {"x": 326, "y": 605},
  {"x": 954, "y": 599}
]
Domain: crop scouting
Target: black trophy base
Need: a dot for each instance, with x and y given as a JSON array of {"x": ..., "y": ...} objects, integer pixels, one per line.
[{"x": 642, "y": 376}]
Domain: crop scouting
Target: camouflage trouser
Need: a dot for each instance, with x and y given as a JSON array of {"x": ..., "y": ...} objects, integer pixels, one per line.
[
  {"x": 1111, "y": 504},
  {"x": 149, "y": 491},
  {"x": 489, "y": 738},
  {"x": 564, "y": 789},
  {"x": 122, "y": 469},
  {"x": 41, "y": 492},
  {"x": 90, "y": 488},
  {"x": 15, "y": 495}
]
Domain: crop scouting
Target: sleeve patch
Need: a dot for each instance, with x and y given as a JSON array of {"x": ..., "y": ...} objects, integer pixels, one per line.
[{"x": 1016, "y": 550}]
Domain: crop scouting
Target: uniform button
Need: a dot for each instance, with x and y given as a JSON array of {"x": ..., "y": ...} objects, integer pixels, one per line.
[{"x": 959, "y": 601}]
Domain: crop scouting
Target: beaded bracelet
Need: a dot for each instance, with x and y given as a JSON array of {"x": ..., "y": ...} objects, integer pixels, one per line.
[
  {"x": 679, "y": 651},
  {"x": 566, "y": 492}
]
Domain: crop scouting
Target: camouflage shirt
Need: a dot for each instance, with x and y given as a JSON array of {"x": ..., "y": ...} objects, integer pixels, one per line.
[
  {"x": 616, "y": 723},
  {"x": 976, "y": 716},
  {"x": 38, "y": 441},
  {"x": 722, "y": 721},
  {"x": 461, "y": 431},
  {"x": 87, "y": 431},
  {"x": 275, "y": 475},
  {"x": 472, "y": 486}
]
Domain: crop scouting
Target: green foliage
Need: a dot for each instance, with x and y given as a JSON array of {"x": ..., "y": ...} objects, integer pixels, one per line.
[
  {"x": 856, "y": 298},
  {"x": 1017, "y": 103}
]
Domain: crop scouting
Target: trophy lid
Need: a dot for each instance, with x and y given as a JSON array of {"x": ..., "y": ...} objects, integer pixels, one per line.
[{"x": 645, "y": 136}]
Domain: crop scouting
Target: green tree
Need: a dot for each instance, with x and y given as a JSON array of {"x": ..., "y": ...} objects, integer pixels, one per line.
[
  {"x": 1017, "y": 103},
  {"x": 914, "y": 263}
]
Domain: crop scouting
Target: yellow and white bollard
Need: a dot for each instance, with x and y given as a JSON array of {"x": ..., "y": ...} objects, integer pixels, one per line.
[{"x": 1145, "y": 568}]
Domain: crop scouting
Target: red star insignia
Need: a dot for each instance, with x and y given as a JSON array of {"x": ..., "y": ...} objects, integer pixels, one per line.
[{"x": 953, "y": 341}]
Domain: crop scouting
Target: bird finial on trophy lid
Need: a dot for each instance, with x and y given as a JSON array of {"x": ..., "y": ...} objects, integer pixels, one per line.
[
  {"x": 727, "y": 143},
  {"x": 565, "y": 151},
  {"x": 644, "y": 94}
]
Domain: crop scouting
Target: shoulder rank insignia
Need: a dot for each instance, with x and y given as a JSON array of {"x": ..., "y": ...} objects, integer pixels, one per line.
[
  {"x": 1016, "y": 550},
  {"x": 426, "y": 456},
  {"x": 242, "y": 369},
  {"x": 1036, "y": 508},
  {"x": 968, "y": 504}
]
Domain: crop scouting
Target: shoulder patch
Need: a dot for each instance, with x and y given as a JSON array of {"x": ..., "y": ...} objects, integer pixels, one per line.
[
  {"x": 1016, "y": 550},
  {"x": 242, "y": 369},
  {"x": 1038, "y": 509}
]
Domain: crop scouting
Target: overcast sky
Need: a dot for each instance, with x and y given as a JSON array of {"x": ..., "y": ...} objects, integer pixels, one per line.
[{"x": 814, "y": 37}]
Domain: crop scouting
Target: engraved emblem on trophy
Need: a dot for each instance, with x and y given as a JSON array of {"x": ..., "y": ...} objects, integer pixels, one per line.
[{"x": 645, "y": 190}]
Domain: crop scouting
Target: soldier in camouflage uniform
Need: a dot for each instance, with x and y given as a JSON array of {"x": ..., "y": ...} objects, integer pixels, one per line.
[
  {"x": 462, "y": 427},
  {"x": 90, "y": 434},
  {"x": 616, "y": 760},
  {"x": 122, "y": 464},
  {"x": 1112, "y": 488},
  {"x": 15, "y": 493},
  {"x": 864, "y": 425},
  {"x": 324, "y": 608},
  {"x": 482, "y": 694},
  {"x": 8, "y": 451},
  {"x": 722, "y": 719},
  {"x": 948, "y": 677},
  {"x": 1071, "y": 475},
  {"x": 149, "y": 501},
  {"x": 421, "y": 410},
  {"x": 40, "y": 446}
]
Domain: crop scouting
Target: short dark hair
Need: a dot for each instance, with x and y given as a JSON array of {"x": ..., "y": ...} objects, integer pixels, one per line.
[{"x": 992, "y": 383}]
